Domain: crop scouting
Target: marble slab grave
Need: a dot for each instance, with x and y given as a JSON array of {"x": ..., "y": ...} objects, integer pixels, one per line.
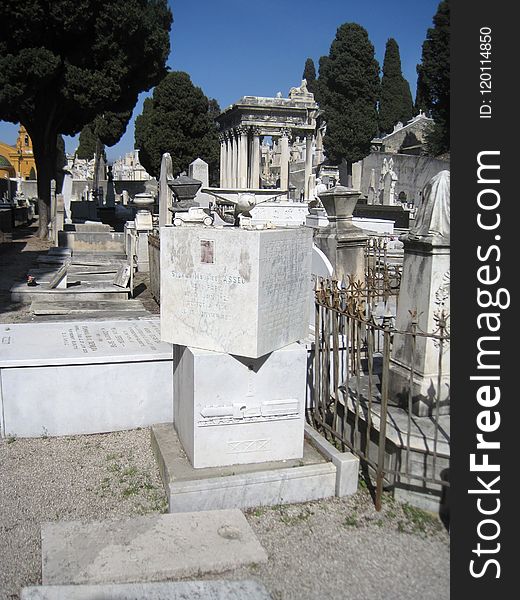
[
  {"x": 242, "y": 292},
  {"x": 67, "y": 378}
]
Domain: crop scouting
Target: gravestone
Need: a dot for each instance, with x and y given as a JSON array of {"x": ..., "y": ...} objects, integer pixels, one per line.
[
  {"x": 165, "y": 193},
  {"x": 66, "y": 191},
  {"x": 199, "y": 170},
  {"x": 233, "y": 290}
]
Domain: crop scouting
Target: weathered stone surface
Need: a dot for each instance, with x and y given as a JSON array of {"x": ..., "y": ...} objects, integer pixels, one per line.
[
  {"x": 230, "y": 410},
  {"x": 239, "y": 486},
  {"x": 148, "y": 548},
  {"x": 167, "y": 590},
  {"x": 236, "y": 291}
]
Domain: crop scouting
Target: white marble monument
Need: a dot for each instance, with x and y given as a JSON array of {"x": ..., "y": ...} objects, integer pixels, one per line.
[
  {"x": 232, "y": 290},
  {"x": 425, "y": 297}
]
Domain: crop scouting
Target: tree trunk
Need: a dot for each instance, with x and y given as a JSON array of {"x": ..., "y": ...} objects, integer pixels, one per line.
[
  {"x": 44, "y": 148},
  {"x": 345, "y": 173}
]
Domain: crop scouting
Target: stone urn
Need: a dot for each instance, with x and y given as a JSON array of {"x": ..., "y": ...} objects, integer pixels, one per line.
[
  {"x": 339, "y": 203},
  {"x": 184, "y": 189}
]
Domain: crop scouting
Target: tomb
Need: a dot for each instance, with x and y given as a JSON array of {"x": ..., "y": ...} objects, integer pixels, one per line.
[{"x": 83, "y": 377}]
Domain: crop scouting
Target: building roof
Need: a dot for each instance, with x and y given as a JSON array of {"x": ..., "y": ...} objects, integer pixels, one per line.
[{"x": 4, "y": 162}]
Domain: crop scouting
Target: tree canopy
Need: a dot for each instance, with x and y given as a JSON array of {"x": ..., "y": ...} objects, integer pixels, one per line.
[
  {"x": 434, "y": 78},
  {"x": 65, "y": 62},
  {"x": 178, "y": 119},
  {"x": 348, "y": 85},
  {"x": 309, "y": 74},
  {"x": 395, "y": 102}
]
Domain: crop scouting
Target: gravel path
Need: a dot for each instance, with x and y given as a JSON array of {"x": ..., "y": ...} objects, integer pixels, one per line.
[{"x": 331, "y": 549}]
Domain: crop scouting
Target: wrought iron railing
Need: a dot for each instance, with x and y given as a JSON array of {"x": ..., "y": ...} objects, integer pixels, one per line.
[{"x": 352, "y": 402}]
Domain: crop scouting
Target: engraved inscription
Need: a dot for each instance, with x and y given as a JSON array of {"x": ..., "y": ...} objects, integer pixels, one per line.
[
  {"x": 241, "y": 446},
  {"x": 88, "y": 339}
]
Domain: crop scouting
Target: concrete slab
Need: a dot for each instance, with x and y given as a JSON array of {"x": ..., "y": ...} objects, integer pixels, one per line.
[
  {"x": 42, "y": 307},
  {"x": 148, "y": 548},
  {"x": 87, "y": 290},
  {"x": 238, "y": 486},
  {"x": 167, "y": 590}
]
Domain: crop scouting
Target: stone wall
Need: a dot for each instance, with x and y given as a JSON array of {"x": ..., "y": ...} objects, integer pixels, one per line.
[{"x": 413, "y": 172}]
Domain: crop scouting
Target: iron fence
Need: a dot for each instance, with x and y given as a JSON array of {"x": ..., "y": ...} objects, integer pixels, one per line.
[{"x": 352, "y": 403}]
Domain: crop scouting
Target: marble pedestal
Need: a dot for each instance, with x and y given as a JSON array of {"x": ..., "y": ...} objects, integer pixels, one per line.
[
  {"x": 425, "y": 290},
  {"x": 233, "y": 410},
  {"x": 341, "y": 241},
  {"x": 237, "y": 291}
]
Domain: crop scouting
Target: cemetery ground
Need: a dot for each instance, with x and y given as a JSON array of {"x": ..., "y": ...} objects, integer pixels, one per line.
[{"x": 338, "y": 548}]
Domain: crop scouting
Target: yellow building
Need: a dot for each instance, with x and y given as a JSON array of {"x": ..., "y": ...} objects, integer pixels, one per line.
[{"x": 18, "y": 160}]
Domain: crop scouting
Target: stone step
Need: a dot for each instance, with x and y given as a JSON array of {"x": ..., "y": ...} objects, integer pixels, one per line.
[
  {"x": 170, "y": 590},
  {"x": 87, "y": 290},
  {"x": 147, "y": 548},
  {"x": 64, "y": 307}
]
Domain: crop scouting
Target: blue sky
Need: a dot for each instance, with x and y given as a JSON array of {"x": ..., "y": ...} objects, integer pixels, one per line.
[{"x": 234, "y": 48}]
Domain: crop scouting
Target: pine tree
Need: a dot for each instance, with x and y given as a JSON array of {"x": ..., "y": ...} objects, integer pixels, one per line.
[
  {"x": 434, "y": 76},
  {"x": 348, "y": 92},
  {"x": 177, "y": 119},
  {"x": 65, "y": 62},
  {"x": 309, "y": 74},
  {"x": 395, "y": 103}
]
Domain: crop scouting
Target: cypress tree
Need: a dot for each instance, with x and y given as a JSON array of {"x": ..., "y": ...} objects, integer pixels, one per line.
[
  {"x": 434, "y": 75},
  {"x": 396, "y": 99},
  {"x": 177, "y": 119},
  {"x": 88, "y": 143},
  {"x": 309, "y": 73},
  {"x": 348, "y": 93}
]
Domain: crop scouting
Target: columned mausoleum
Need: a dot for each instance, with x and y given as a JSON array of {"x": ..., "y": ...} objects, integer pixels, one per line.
[{"x": 243, "y": 126}]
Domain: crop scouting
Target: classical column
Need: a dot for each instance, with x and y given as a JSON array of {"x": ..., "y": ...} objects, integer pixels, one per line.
[
  {"x": 319, "y": 146},
  {"x": 242, "y": 158},
  {"x": 223, "y": 149},
  {"x": 234, "y": 159},
  {"x": 284, "y": 160},
  {"x": 229, "y": 156},
  {"x": 254, "y": 172},
  {"x": 308, "y": 165}
]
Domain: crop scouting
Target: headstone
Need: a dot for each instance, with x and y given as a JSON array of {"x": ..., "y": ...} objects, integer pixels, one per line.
[
  {"x": 199, "y": 169},
  {"x": 60, "y": 278},
  {"x": 110, "y": 200},
  {"x": 67, "y": 196},
  {"x": 165, "y": 193},
  {"x": 232, "y": 290},
  {"x": 122, "y": 276}
]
